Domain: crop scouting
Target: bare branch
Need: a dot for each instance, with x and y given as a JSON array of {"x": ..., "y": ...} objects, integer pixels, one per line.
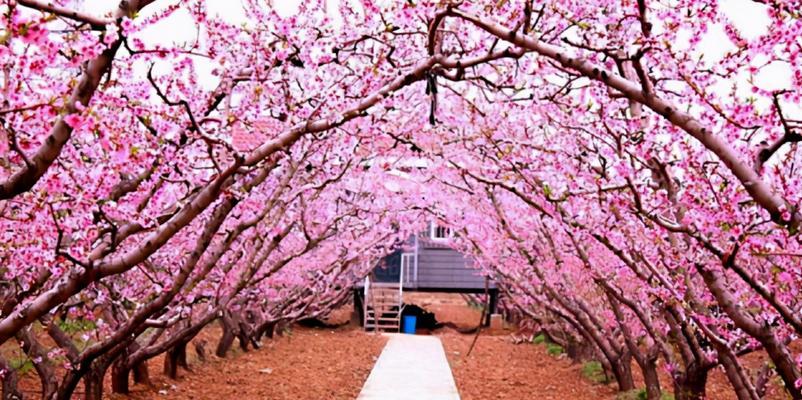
[
  {"x": 790, "y": 135},
  {"x": 49, "y": 6}
]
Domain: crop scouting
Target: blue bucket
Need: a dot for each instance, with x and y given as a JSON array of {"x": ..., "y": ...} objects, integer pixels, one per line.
[{"x": 409, "y": 324}]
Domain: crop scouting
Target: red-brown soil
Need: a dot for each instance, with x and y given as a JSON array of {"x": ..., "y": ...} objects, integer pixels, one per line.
[
  {"x": 306, "y": 363},
  {"x": 500, "y": 369},
  {"x": 309, "y": 363}
]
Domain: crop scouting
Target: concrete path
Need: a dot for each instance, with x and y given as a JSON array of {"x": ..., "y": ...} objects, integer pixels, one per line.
[{"x": 411, "y": 367}]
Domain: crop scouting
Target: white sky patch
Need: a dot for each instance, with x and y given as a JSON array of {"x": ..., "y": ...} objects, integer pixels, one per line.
[
  {"x": 715, "y": 45},
  {"x": 775, "y": 76},
  {"x": 178, "y": 28},
  {"x": 285, "y": 8},
  {"x": 173, "y": 28},
  {"x": 229, "y": 10},
  {"x": 749, "y": 17}
]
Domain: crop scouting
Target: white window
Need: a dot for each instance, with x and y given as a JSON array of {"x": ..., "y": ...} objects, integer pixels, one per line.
[
  {"x": 407, "y": 263},
  {"x": 439, "y": 232}
]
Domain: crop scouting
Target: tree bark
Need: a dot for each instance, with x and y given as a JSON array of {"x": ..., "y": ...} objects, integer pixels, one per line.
[
  {"x": 10, "y": 379},
  {"x": 691, "y": 385},
  {"x": 200, "y": 349},
  {"x": 739, "y": 380},
  {"x": 174, "y": 358},
  {"x": 119, "y": 377},
  {"x": 646, "y": 362},
  {"x": 34, "y": 350},
  {"x": 93, "y": 384},
  {"x": 141, "y": 374},
  {"x": 242, "y": 333},
  {"x": 622, "y": 371},
  {"x": 650, "y": 377},
  {"x": 267, "y": 328},
  {"x": 120, "y": 371},
  {"x": 763, "y": 378},
  {"x": 229, "y": 334}
]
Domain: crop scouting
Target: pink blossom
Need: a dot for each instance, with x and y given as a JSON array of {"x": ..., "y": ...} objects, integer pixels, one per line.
[
  {"x": 127, "y": 26},
  {"x": 559, "y": 183},
  {"x": 110, "y": 35},
  {"x": 34, "y": 34},
  {"x": 75, "y": 121}
]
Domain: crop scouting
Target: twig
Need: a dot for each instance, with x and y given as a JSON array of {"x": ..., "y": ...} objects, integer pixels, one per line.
[
  {"x": 481, "y": 319},
  {"x": 790, "y": 134},
  {"x": 12, "y": 141},
  {"x": 93, "y": 21}
]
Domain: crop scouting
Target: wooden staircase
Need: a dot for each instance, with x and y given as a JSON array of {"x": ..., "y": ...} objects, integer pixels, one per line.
[{"x": 383, "y": 306}]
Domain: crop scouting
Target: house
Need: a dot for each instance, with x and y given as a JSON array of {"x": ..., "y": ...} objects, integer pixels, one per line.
[{"x": 425, "y": 262}]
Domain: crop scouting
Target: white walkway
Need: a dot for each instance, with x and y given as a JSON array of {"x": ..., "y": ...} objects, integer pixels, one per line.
[{"x": 411, "y": 367}]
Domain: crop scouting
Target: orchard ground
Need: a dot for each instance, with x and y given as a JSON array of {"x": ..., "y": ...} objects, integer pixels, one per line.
[{"x": 333, "y": 363}]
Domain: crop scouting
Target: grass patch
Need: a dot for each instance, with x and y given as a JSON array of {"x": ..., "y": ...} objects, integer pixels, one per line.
[
  {"x": 20, "y": 364},
  {"x": 593, "y": 371},
  {"x": 539, "y": 339},
  {"x": 554, "y": 349},
  {"x": 634, "y": 394},
  {"x": 640, "y": 394},
  {"x": 72, "y": 327}
]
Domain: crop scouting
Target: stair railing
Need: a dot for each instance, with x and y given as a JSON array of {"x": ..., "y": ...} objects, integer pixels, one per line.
[{"x": 365, "y": 303}]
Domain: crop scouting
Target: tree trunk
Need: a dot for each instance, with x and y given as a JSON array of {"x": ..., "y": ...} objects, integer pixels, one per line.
[
  {"x": 622, "y": 371},
  {"x": 34, "y": 349},
  {"x": 579, "y": 350},
  {"x": 250, "y": 326},
  {"x": 200, "y": 349},
  {"x": 227, "y": 339},
  {"x": 141, "y": 374},
  {"x": 93, "y": 381},
  {"x": 735, "y": 374},
  {"x": 174, "y": 358},
  {"x": 279, "y": 328},
  {"x": 647, "y": 362},
  {"x": 119, "y": 376},
  {"x": 691, "y": 385},
  {"x": 181, "y": 357},
  {"x": 763, "y": 378},
  {"x": 93, "y": 387},
  {"x": 267, "y": 329},
  {"x": 243, "y": 337},
  {"x": 10, "y": 378},
  {"x": 785, "y": 365},
  {"x": 120, "y": 371},
  {"x": 650, "y": 377}
]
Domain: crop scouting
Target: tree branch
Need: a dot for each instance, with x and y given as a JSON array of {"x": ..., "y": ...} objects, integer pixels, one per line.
[
  {"x": 48, "y": 6},
  {"x": 25, "y": 178}
]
